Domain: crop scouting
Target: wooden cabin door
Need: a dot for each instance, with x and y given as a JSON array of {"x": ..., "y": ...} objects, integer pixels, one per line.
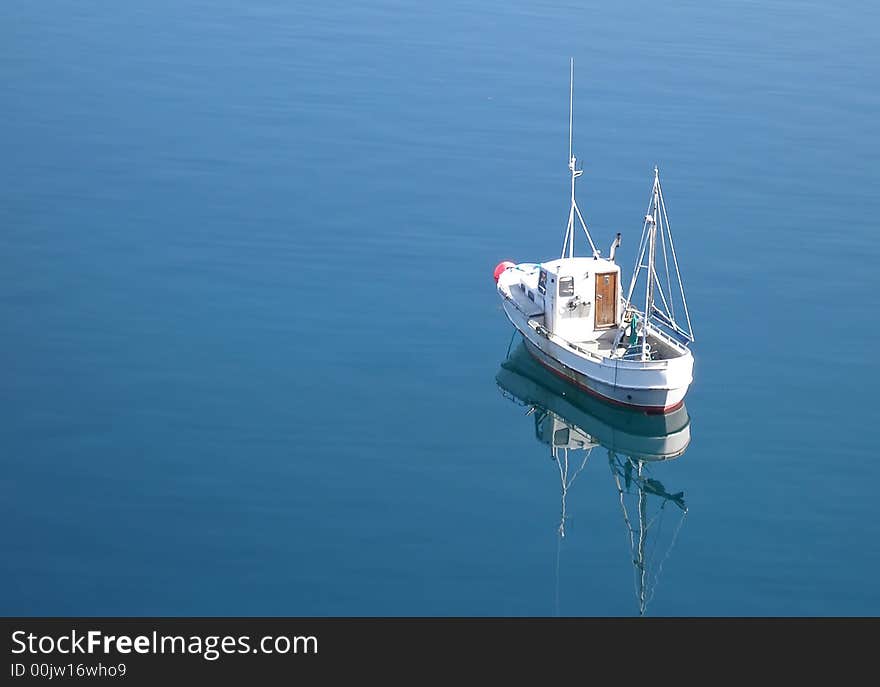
[{"x": 606, "y": 299}]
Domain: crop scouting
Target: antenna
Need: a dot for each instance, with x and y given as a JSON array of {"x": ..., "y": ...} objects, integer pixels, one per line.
[
  {"x": 574, "y": 212},
  {"x": 570, "y": 111}
]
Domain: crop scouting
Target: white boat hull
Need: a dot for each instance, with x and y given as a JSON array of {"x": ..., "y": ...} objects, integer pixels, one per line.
[{"x": 653, "y": 386}]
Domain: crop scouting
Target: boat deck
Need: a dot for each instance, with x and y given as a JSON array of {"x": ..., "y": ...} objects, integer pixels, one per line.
[
  {"x": 603, "y": 345},
  {"x": 531, "y": 309}
]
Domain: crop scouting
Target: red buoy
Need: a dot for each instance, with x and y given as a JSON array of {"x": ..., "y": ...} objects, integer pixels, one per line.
[{"x": 500, "y": 267}]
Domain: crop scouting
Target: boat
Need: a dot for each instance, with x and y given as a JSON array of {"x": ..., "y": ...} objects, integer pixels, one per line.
[
  {"x": 577, "y": 322},
  {"x": 575, "y": 426}
]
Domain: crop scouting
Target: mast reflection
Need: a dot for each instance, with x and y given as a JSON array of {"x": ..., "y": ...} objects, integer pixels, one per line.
[{"x": 574, "y": 425}]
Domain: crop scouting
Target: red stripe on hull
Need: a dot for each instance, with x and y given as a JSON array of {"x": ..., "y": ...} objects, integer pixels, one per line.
[{"x": 650, "y": 410}]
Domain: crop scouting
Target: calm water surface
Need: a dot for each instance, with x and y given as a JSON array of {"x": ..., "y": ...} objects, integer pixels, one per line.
[{"x": 253, "y": 352}]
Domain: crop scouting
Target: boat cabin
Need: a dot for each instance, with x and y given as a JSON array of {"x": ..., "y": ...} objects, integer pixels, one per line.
[{"x": 581, "y": 297}]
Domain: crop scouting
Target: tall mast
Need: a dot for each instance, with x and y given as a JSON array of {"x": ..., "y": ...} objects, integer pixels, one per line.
[
  {"x": 571, "y": 160},
  {"x": 652, "y": 247},
  {"x": 687, "y": 315},
  {"x": 568, "y": 244},
  {"x": 663, "y": 310},
  {"x": 570, "y": 113}
]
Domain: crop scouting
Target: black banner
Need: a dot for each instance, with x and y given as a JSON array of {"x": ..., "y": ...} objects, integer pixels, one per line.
[{"x": 235, "y": 650}]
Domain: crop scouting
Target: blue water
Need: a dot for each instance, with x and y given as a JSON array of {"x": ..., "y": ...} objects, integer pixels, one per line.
[{"x": 250, "y": 337}]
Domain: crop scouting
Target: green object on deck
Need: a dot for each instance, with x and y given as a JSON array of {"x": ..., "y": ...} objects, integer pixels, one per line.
[{"x": 633, "y": 337}]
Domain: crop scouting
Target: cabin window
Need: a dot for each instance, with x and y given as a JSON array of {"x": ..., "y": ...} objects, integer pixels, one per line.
[
  {"x": 542, "y": 282},
  {"x": 566, "y": 286}
]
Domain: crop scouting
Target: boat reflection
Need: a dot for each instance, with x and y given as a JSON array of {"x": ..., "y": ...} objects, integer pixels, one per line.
[{"x": 574, "y": 424}]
